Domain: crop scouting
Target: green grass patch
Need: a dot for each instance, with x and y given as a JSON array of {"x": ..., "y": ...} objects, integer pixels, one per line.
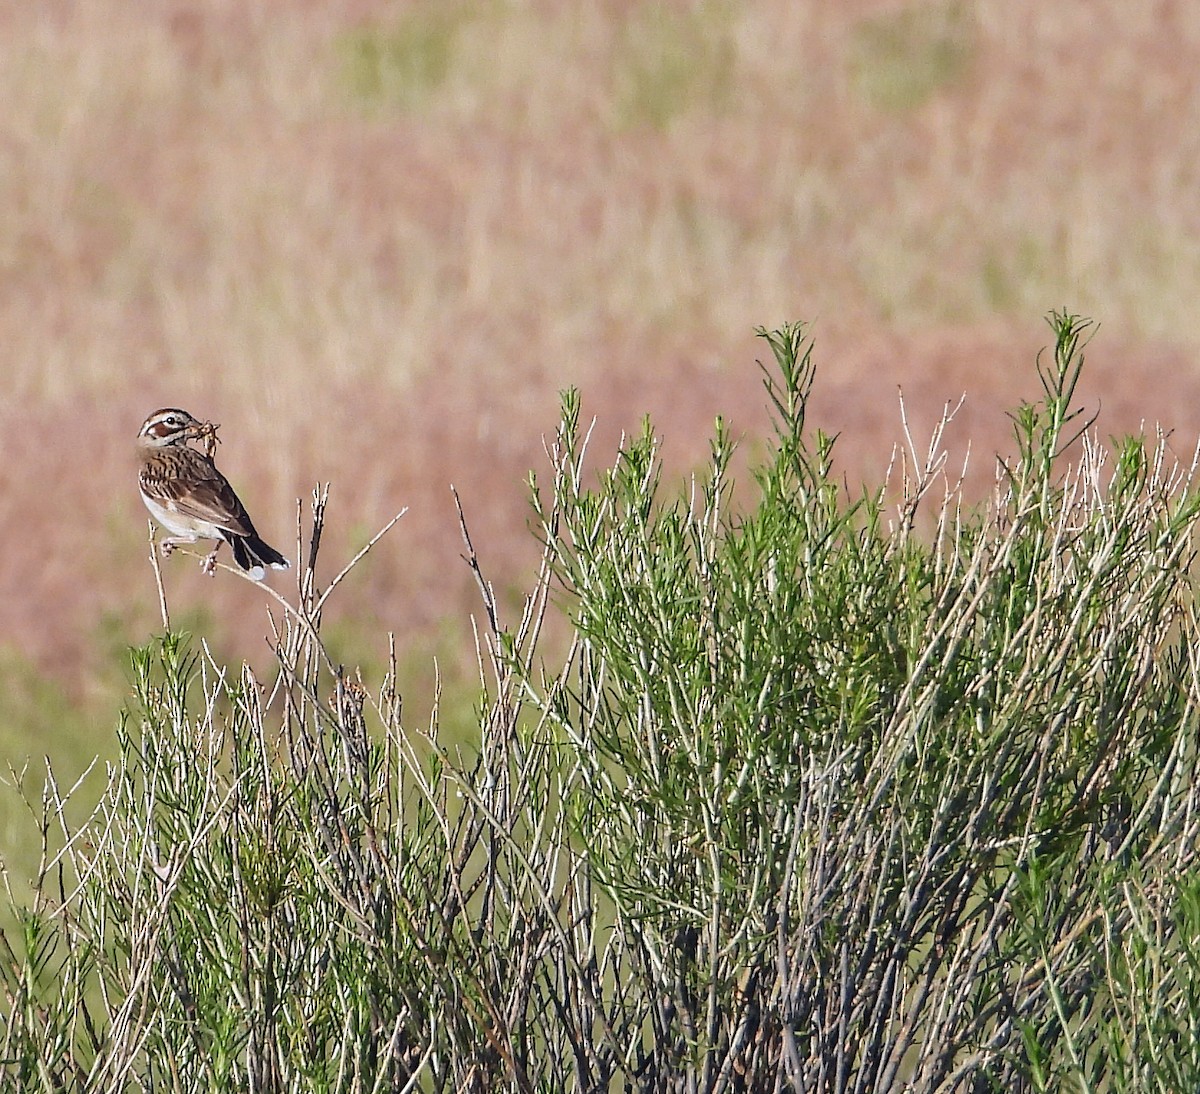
[
  {"x": 672, "y": 61},
  {"x": 899, "y": 60},
  {"x": 403, "y": 62}
]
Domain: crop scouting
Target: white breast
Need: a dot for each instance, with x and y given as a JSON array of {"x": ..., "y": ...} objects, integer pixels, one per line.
[{"x": 179, "y": 524}]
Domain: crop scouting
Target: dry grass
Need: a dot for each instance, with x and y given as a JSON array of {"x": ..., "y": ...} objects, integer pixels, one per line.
[{"x": 374, "y": 240}]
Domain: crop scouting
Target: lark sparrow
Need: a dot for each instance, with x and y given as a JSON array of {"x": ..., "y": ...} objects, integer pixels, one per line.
[{"x": 188, "y": 496}]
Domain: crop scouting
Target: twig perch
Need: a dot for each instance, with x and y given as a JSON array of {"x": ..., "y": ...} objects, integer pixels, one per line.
[{"x": 162, "y": 592}]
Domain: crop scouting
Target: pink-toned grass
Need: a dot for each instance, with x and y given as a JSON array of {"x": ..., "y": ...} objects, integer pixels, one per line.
[{"x": 204, "y": 205}]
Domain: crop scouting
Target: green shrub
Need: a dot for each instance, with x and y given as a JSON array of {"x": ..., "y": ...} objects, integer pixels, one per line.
[{"x": 829, "y": 792}]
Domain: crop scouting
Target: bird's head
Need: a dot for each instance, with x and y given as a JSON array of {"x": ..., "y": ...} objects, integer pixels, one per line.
[{"x": 171, "y": 426}]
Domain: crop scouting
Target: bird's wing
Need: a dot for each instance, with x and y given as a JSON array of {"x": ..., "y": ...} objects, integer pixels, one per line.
[{"x": 189, "y": 483}]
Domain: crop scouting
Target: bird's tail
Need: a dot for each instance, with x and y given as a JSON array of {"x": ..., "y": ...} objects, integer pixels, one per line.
[{"x": 253, "y": 555}]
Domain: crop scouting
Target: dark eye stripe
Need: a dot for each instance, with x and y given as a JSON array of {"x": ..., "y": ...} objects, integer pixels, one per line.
[{"x": 166, "y": 423}]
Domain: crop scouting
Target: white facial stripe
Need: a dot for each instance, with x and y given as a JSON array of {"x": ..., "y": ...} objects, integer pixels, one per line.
[{"x": 165, "y": 425}]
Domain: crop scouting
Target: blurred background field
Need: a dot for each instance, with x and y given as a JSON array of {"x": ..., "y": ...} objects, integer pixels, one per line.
[{"x": 374, "y": 241}]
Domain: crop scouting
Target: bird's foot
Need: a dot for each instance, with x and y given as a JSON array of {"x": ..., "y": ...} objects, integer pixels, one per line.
[{"x": 209, "y": 565}]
